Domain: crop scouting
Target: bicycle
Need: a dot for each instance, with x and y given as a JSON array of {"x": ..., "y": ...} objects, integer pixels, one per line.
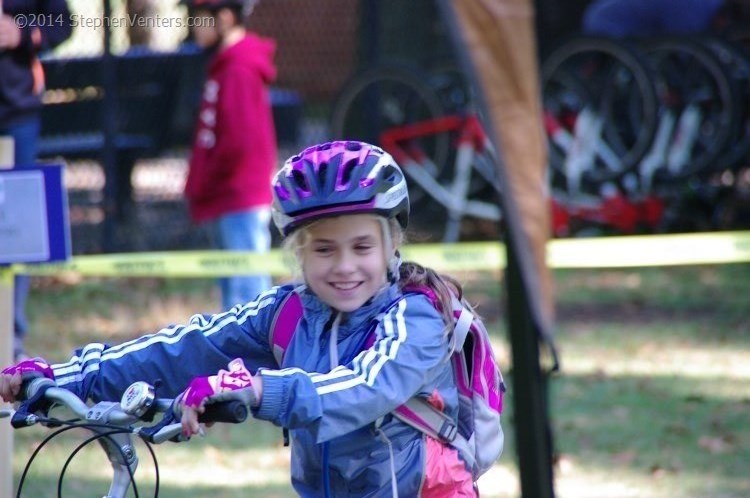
[
  {"x": 699, "y": 110},
  {"x": 466, "y": 184},
  {"x": 474, "y": 152},
  {"x": 113, "y": 425},
  {"x": 403, "y": 110},
  {"x": 386, "y": 96},
  {"x": 600, "y": 111},
  {"x": 699, "y": 129}
]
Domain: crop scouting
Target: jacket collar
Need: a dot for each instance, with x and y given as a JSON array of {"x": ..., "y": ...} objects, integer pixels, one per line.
[{"x": 319, "y": 314}]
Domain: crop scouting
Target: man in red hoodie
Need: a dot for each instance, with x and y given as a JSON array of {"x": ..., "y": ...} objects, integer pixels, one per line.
[{"x": 234, "y": 150}]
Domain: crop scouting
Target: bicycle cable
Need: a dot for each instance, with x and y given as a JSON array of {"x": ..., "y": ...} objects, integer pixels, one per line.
[
  {"x": 38, "y": 449},
  {"x": 69, "y": 425},
  {"x": 85, "y": 443}
]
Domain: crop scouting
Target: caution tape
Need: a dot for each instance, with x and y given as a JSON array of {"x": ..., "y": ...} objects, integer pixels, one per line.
[
  {"x": 650, "y": 250},
  {"x": 602, "y": 252}
]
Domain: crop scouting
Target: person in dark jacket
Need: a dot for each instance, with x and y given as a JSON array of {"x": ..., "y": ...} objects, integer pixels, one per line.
[
  {"x": 234, "y": 150},
  {"x": 27, "y": 28}
]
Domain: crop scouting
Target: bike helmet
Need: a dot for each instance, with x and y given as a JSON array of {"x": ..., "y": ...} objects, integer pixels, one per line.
[{"x": 335, "y": 178}]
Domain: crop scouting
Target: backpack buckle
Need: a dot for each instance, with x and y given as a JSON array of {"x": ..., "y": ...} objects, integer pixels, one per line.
[{"x": 448, "y": 431}]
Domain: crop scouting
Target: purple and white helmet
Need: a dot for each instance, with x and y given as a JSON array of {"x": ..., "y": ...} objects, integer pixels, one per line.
[{"x": 337, "y": 178}]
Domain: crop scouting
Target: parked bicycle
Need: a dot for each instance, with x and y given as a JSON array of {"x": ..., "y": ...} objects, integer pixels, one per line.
[
  {"x": 642, "y": 135},
  {"x": 448, "y": 156},
  {"x": 695, "y": 144},
  {"x": 113, "y": 425}
]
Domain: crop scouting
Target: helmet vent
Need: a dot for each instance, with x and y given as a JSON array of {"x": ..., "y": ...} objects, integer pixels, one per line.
[
  {"x": 322, "y": 172},
  {"x": 300, "y": 180},
  {"x": 391, "y": 174},
  {"x": 347, "y": 170}
]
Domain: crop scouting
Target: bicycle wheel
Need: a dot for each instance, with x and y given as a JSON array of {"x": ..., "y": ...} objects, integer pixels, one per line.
[
  {"x": 697, "y": 90},
  {"x": 602, "y": 96},
  {"x": 388, "y": 96},
  {"x": 734, "y": 58}
]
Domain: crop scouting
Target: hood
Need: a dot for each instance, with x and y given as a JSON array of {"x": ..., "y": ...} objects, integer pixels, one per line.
[{"x": 252, "y": 51}]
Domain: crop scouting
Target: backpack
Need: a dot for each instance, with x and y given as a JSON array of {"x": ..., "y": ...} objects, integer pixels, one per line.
[{"x": 478, "y": 435}]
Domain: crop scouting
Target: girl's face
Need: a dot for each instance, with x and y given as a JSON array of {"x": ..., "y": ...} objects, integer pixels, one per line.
[{"x": 343, "y": 260}]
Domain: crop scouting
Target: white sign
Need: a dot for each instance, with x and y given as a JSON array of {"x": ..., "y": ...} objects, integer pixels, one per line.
[{"x": 23, "y": 217}]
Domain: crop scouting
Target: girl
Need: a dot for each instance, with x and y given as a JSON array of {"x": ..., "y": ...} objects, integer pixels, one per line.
[{"x": 342, "y": 207}]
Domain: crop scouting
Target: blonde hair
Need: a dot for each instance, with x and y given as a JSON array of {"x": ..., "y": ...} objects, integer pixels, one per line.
[{"x": 410, "y": 274}]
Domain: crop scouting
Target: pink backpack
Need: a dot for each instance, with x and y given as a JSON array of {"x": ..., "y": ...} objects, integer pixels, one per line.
[{"x": 478, "y": 436}]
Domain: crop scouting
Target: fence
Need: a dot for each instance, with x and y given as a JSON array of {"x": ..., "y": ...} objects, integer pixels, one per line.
[{"x": 126, "y": 195}]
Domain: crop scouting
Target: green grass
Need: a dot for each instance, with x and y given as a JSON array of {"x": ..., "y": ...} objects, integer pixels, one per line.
[{"x": 652, "y": 399}]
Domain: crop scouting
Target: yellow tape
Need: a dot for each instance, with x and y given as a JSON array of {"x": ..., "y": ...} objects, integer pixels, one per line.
[
  {"x": 650, "y": 250},
  {"x": 604, "y": 252},
  {"x": 466, "y": 256},
  {"x": 166, "y": 264}
]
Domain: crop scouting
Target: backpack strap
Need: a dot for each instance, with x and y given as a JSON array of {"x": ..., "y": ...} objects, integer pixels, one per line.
[
  {"x": 420, "y": 414},
  {"x": 284, "y": 323},
  {"x": 424, "y": 417},
  {"x": 464, "y": 319}
]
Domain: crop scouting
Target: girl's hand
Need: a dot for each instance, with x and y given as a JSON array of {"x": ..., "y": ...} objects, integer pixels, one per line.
[
  {"x": 215, "y": 388},
  {"x": 10, "y": 385},
  {"x": 189, "y": 420},
  {"x": 11, "y": 377}
]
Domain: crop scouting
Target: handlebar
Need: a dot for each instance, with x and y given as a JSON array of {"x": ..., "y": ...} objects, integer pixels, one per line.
[
  {"x": 114, "y": 422},
  {"x": 39, "y": 394},
  {"x": 228, "y": 412}
]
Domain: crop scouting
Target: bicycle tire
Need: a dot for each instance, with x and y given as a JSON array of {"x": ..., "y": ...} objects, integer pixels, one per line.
[
  {"x": 689, "y": 72},
  {"x": 734, "y": 57},
  {"x": 385, "y": 96},
  {"x": 620, "y": 85}
]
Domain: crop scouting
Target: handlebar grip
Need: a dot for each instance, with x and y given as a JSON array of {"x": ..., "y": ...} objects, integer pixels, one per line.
[{"x": 230, "y": 412}]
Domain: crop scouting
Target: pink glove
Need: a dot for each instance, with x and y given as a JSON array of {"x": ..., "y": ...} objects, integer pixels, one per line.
[
  {"x": 220, "y": 386},
  {"x": 33, "y": 365},
  {"x": 11, "y": 377}
]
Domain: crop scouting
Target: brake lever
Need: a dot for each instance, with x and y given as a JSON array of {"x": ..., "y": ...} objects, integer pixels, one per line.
[{"x": 150, "y": 433}]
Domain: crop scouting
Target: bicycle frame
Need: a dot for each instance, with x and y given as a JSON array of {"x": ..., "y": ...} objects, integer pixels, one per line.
[
  {"x": 674, "y": 142},
  {"x": 474, "y": 151},
  {"x": 581, "y": 146},
  {"x": 615, "y": 209}
]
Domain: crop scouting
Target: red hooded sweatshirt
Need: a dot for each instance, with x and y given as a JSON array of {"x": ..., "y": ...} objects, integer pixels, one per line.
[{"x": 234, "y": 149}]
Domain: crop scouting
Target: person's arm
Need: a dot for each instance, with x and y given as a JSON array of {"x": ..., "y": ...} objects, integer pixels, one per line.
[
  {"x": 410, "y": 350},
  {"x": 175, "y": 354},
  {"x": 243, "y": 108},
  {"x": 240, "y": 99}
]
